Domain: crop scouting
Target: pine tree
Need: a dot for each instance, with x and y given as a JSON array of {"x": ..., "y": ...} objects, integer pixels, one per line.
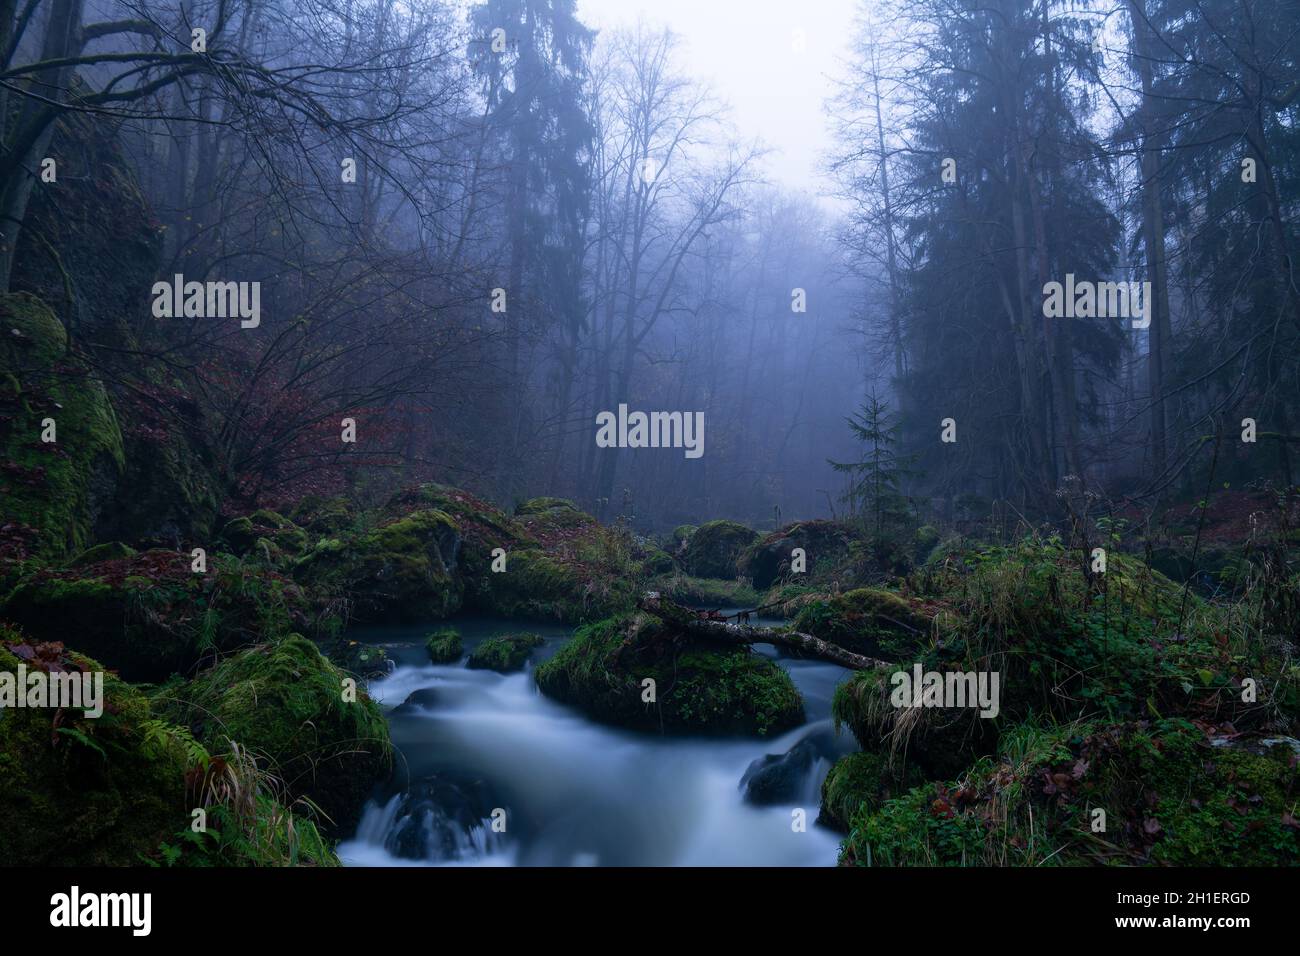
[{"x": 874, "y": 480}]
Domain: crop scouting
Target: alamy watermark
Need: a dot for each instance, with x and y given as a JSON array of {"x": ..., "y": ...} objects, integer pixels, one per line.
[
  {"x": 67, "y": 690},
  {"x": 651, "y": 430},
  {"x": 208, "y": 300},
  {"x": 1098, "y": 300},
  {"x": 948, "y": 689},
  {"x": 75, "y": 908}
]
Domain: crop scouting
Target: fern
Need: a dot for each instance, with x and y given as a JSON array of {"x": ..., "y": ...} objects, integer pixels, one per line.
[{"x": 159, "y": 735}]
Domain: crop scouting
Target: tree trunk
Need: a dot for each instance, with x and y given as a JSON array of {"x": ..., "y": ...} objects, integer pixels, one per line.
[{"x": 743, "y": 635}]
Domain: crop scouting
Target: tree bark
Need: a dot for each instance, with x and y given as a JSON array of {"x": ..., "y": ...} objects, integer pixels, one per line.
[{"x": 743, "y": 635}]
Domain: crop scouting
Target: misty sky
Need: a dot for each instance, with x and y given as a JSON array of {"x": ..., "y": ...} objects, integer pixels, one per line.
[{"x": 745, "y": 49}]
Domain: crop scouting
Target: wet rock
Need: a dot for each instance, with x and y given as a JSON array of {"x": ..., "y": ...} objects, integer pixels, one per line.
[
  {"x": 441, "y": 818},
  {"x": 779, "y": 778},
  {"x": 426, "y": 698}
]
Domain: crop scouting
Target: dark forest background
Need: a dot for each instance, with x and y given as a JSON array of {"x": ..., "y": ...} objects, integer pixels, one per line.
[{"x": 505, "y": 150}]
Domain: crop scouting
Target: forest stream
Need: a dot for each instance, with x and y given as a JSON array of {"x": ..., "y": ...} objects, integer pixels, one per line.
[{"x": 576, "y": 792}]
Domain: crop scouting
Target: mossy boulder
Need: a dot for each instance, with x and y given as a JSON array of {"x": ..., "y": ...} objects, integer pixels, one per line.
[
  {"x": 244, "y": 535},
  {"x": 826, "y": 548},
  {"x": 324, "y": 517},
  {"x": 698, "y": 688},
  {"x": 938, "y": 741},
  {"x": 58, "y": 488},
  {"x": 504, "y": 654},
  {"x": 149, "y": 615},
  {"x": 714, "y": 550},
  {"x": 542, "y": 586},
  {"x": 657, "y": 562},
  {"x": 445, "y": 646},
  {"x": 170, "y": 492},
  {"x": 706, "y": 592},
  {"x": 84, "y": 791},
  {"x": 869, "y": 621},
  {"x": 286, "y": 704},
  {"x": 552, "y": 513},
  {"x": 1126, "y": 642},
  {"x": 108, "y": 551},
  {"x": 1172, "y": 793},
  {"x": 860, "y": 783},
  {"x": 559, "y": 564},
  {"x": 366, "y": 661},
  {"x": 403, "y": 570}
]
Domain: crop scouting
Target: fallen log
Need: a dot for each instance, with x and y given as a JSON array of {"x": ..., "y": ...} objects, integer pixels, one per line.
[{"x": 688, "y": 621}]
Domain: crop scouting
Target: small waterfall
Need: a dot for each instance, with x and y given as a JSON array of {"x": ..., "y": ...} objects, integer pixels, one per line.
[{"x": 571, "y": 792}]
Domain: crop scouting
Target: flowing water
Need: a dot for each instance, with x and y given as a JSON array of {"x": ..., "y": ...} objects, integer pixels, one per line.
[{"x": 573, "y": 792}]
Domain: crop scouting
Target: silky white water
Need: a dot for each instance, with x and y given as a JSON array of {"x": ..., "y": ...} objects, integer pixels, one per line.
[{"x": 572, "y": 792}]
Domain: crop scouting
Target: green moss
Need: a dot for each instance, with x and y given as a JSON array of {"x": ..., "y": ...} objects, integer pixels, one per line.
[
  {"x": 57, "y": 488},
  {"x": 538, "y": 586},
  {"x": 924, "y": 541},
  {"x": 445, "y": 646},
  {"x": 940, "y": 742},
  {"x": 867, "y": 621},
  {"x": 705, "y": 592},
  {"x": 861, "y": 783},
  {"x": 94, "y": 793},
  {"x": 269, "y": 835},
  {"x": 828, "y": 548},
  {"x": 698, "y": 688},
  {"x": 682, "y": 534},
  {"x": 504, "y": 654},
  {"x": 285, "y": 703},
  {"x": 403, "y": 570},
  {"x": 108, "y": 551},
  {"x": 559, "y": 509},
  {"x": 1168, "y": 798},
  {"x": 714, "y": 550},
  {"x": 657, "y": 562},
  {"x": 240, "y": 535},
  {"x": 150, "y": 615},
  {"x": 324, "y": 516}
]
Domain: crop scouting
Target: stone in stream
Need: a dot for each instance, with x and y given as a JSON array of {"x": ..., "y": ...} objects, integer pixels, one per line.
[
  {"x": 504, "y": 654},
  {"x": 780, "y": 778},
  {"x": 426, "y": 698},
  {"x": 437, "y": 817}
]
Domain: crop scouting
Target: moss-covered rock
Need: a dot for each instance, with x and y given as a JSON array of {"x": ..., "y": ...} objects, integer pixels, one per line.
[
  {"x": 705, "y": 592},
  {"x": 150, "y": 615},
  {"x": 559, "y": 564},
  {"x": 939, "y": 741},
  {"x": 287, "y": 704},
  {"x": 170, "y": 492},
  {"x": 558, "y": 512},
  {"x": 83, "y": 791},
  {"x": 108, "y": 551},
  {"x": 504, "y": 654},
  {"x": 403, "y": 570},
  {"x": 58, "y": 487},
  {"x": 366, "y": 661},
  {"x": 860, "y": 783},
  {"x": 283, "y": 538},
  {"x": 444, "y": 646},
  {"x": 869, "y": 621},
  {"x": 826, "y": 546},
  {"x": 714, "y": 550},
  {"x": 324, "y": 517},
  {"x": 697, "y": 688},
  {"x": 657, "y": 562},
  {"x": 1170, "y": 796}
]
